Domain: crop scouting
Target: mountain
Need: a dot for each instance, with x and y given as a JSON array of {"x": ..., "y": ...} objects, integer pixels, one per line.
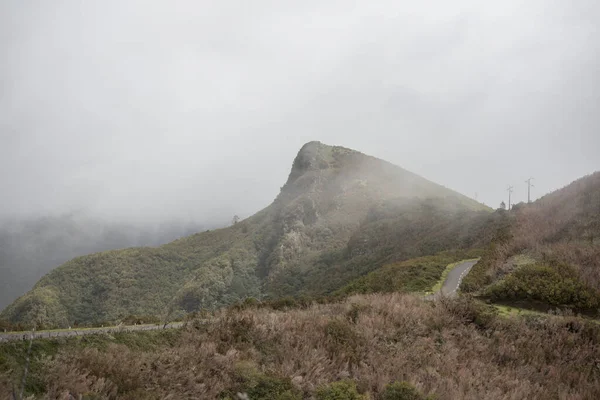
[
  {"x": 340, "y": 215},
  {"x": 548, "y": 255},
  {"x": 30, "y": 247}
]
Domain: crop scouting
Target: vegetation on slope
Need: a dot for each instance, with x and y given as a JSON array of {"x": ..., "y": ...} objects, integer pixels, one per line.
[
  {"x": 340, "y": 215},
  {"x": 363, "y": 347},
  {"x": 557, "y": 285},
  {"x": 479, "y": 276},
  {"x": 13, "y": 355},
  {"x": 414, "y": 275},
  {"x": 559, "y": 233},
  {"x": 393, "y": 231},
  {"x": 32, "y": 247}
]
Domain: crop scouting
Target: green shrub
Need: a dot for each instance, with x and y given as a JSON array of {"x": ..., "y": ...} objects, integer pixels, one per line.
[
  {"x": 342, "y": 390},
  {"x": 260, "y": 386},
  {"x": 95, "y": 396},
  {"x": 283, "y": 303},
  {"x": 402, "y": 391},
  {"x": 247, "y": 303},
  {"x": 557, "y": 285}
]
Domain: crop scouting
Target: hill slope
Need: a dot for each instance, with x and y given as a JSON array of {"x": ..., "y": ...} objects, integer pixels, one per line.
[
  {"x": 340, "y": 215},
  {"x": 32, "y": 247},
  {"x": 549, "y": 254},
  {"x": 459, "y": 349}
]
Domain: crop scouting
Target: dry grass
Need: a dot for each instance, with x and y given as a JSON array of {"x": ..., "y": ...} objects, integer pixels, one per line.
[
  {"x": 453, "y": 349},
  {"x": 565, "y": 226},
  {"x": 562, "y": 227}
]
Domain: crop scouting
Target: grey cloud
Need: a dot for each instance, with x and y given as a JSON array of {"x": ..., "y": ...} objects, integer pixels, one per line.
[{"x": 153, "y": 109}]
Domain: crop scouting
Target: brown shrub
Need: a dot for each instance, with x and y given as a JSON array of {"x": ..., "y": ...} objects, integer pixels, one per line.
[
  {"x": 449, "y": 349},
  {"x": 561, "y": 228}
]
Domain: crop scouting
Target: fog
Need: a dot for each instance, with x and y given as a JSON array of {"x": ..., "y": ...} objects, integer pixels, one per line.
[
  {"x": 31, "y": 247},
  {"x": 193, "y": 110}
]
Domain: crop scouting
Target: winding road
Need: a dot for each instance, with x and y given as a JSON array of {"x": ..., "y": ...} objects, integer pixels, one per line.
[
  {"x": 449, "y": 288},
  {"x": 8, "y": 336},
  {"x": 454, "y": 278}
]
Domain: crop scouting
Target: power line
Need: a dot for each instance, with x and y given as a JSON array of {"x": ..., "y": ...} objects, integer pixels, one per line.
[{"x": 529, "y": 186}]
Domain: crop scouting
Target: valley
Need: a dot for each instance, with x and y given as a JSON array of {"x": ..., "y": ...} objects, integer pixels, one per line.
[{"x": 361, "y": 278}]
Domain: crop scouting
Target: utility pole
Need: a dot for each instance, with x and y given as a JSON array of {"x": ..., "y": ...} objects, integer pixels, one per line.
[
  {"x": 510, "y": 190},
  {"x": 529, "y": 186}
]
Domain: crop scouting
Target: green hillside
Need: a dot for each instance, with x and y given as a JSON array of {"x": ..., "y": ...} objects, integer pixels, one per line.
[
  {"x": 414, "y": 275},
  {"x": 340, "y": 215},
  {"x": 30, "y": 247}
]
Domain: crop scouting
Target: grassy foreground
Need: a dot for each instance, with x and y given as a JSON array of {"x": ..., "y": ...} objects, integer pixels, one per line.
[{"x": 379, "y": 346}]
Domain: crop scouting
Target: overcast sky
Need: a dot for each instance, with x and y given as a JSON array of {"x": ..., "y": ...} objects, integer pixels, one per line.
[{"x": 195, "y": 109}]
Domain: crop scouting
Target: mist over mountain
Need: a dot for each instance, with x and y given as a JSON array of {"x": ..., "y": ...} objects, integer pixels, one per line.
[
  {"x": 344, "y": 224},
  {"x": 137, "y": 108},
  {"x": 340, "y": 214},
  {"x": 32, "y": 246},
  {"x": 161, "y": 184}
]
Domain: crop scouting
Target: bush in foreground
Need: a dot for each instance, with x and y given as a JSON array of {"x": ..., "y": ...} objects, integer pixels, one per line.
[
  {"x": 557, "y": 285},
  {"x": 449, "y": 349},
  {"x": 402, "y": 391},
  {"x": 342, "y": 390}
]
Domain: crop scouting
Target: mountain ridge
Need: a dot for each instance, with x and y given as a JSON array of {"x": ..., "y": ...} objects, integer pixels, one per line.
[{"x": 313, "y": 227}]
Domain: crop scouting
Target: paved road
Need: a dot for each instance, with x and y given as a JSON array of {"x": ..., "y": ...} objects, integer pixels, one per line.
[
  {"x": 4, "y": 337},
  {"x": 454, "y": 278}
]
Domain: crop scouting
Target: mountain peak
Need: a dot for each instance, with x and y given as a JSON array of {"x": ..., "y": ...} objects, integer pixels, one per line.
[
  {"x": 307, "y": 159},
  {"x": 315, "y": 156},
  {"x": 332, "y": 206}
]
